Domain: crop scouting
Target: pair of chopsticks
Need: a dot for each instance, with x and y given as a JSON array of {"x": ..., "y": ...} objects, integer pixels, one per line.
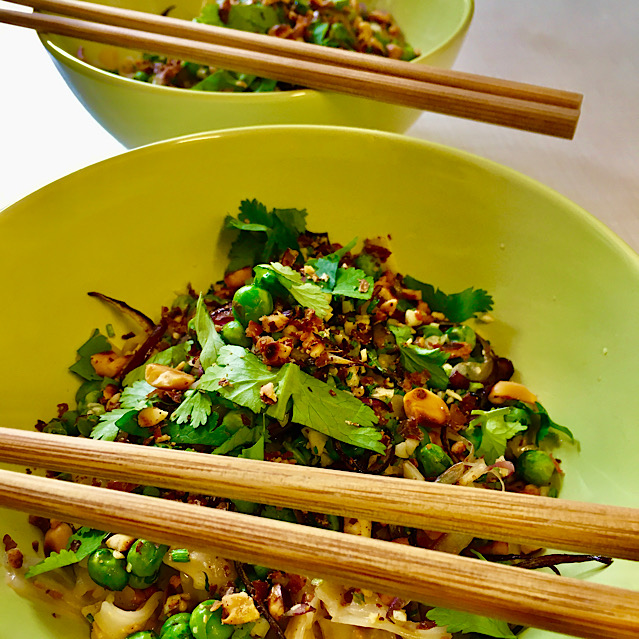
[
  {"x": 571, "y": 606},
  {"x": 513, "y": 104}
]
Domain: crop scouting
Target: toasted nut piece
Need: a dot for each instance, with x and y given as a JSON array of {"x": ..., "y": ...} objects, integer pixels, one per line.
[
  {"x": 120, "y": 542},
  {"x": 276, "y": 602},
  {"x": 389, "y": 306},
  {"x": 414, "y": 317},
  {"x": 109, "y": 363},
  {"x": 238, "y": 278},
  {"x": 57, "y": 538},
  {"x": 240, "y": 608},
  {"x": 151, "y": 416},
  {"x": 503, "y": 391},
  {"x": 361, "y": 527},
  {"x": 167, "y": 378},
  {"x": 424, "y": 406}
]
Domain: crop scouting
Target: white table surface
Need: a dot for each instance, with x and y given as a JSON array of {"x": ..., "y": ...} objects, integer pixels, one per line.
[{"x": 589, "y": 46}]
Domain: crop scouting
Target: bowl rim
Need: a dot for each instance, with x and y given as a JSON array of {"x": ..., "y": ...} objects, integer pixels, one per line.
[
  {"x": 64, "y": 57},
  {"x": 491, "y": 166}
]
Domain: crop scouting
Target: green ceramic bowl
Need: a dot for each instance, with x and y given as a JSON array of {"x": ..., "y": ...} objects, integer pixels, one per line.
[
  {"x": 140, "y": 226},
  {"x": 138, "y": 113}
]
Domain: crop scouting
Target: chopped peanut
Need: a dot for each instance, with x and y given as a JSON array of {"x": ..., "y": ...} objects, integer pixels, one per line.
[
  {"x": 109, "y": 363},
  {"x": 503, "y": 391},
  {"x": 119, "y": 542},
  {"x": 238, "y": 278},
  {"x": 361, "y": 527},
  {"x": 57, "y": 538},
  {"x": 167, "y": 378},
  {"x": 151, "y": 416},
  {"x": 239, "y": 608},
  {"x": 424, "y": 406}
]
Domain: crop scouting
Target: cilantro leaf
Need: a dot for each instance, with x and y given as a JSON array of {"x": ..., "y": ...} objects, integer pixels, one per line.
[
  {"x": 238, "y": 376},
  {"x": 330, "y": 411},
  {"x": 307, "y": 294},
  {"x": 170, "y": 357},
  {"x": 457, "y": 307},
  {"x": 256, "y": 451},
  {"x": 97, "y": 343},
  {"x": 495, "y": 432},
  {"x": 257, "y": 18},
  {"x": 415, "y": 358},
  {"x": 353, "y": 282},
  {"x": 546, "y": 424},
  {"x": 207, "y": 335},
  {"x": 210, "y": 14},
  {"x": 134, "y": 397},
  {"x": 195, "y": 408},
  {"x": 263, "y": 233},
  {"x": 245, "y": 435},
  {"x": 465, "y": 622},
  {"x": 116, "y": 420},
  {"x": 209, "y": 434},
  {"x": 90, "y": 540}
]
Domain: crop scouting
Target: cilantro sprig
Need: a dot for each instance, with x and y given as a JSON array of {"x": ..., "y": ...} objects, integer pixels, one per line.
[
  {"x": 305, "y": 293},
  {"x": 239, "y": 375},
  {"x": 85, "y": 541},
  {"x": 416, "y": 358},
  {"x": 496, "y": 430},
  {"x": 457, "y": 307},
  {"x": 466, "y": 622},
  {"x": 263, "y": 234}
]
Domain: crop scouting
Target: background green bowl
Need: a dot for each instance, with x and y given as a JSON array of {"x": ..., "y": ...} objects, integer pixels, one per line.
[
  {"x": 142, "y": 225},
  {"x": 138, "y": 113}
]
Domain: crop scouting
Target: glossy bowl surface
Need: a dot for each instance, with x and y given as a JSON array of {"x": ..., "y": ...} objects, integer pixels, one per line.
[
  {"x": 138, "y": 113},
  {"x": 142, "y": 225}
]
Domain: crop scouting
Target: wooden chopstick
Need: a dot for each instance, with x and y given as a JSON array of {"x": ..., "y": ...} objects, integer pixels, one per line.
[
  {"x": 166, "y": 25},
  {"x": 572, "y": 606},
  {"x": 527, "y": 114},
  {"x": 528, "y": 519}
]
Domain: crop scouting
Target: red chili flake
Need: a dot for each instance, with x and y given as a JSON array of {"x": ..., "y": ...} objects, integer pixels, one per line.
[
  {"x": 62, "y": 409},
  {"x": 260, "y": 589}
]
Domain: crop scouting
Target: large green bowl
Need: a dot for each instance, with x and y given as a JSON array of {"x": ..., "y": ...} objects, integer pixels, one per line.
[
  {"x": 141, "y": 226},
  {"x": 138, "y": 113}
]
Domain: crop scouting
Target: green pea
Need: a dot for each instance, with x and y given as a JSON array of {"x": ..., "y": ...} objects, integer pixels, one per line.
[
  {"x": 535, "y": 467},
  {"x": 462, "y": 334},
  {"x": 250, "y": 303},
  {"x": 281, "y": 514},
  {"x": 178, "y": 631},
  {"x": 141, "y": 76},
  {"x": 140, "y": 583},
  {"x": 432, "y": 459},
  {"x": 429, "y": 330},
  {"x": 107, "y": 570},
  {"x": 234, "y": 333},
  {"x": 207, "y": 624},
  {"x": 143, "y": 634},
  {"x": 177, "y": 627},
  {"x": 144, "y": 558}
]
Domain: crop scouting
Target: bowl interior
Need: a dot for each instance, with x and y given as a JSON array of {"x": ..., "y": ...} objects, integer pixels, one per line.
[{"x": 566, "y": 289}]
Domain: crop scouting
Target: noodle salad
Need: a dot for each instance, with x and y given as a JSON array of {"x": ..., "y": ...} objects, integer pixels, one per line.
[
  {"x": 400, "y": 385},
  {"x": 341, "y": 24}
]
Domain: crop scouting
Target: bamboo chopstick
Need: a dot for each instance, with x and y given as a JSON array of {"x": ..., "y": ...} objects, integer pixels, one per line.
[
  {"x": 526, "y": 114},
  {"x": 581, "y": 527},
  {"x": 166, "y": 25},
  {"x": 572, "y": 606}
]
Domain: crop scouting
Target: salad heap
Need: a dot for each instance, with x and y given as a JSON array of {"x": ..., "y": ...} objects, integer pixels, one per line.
[
  {"x": 343, "y": 24},
  {"x": 307, "y": 352}
]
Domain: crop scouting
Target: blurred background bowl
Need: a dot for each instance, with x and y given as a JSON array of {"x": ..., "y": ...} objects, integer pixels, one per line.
[
  {"x": 137, "y": 113},
  {"x": 141, "y": 226}
]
